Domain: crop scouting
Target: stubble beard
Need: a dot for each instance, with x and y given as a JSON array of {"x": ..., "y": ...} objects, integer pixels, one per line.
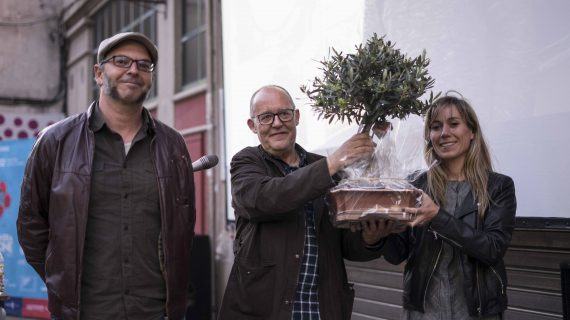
[{"x": 110, "y": 89}]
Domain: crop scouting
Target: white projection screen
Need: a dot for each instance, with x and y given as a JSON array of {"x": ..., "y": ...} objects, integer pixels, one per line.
[{"x": 510, "y": 59}]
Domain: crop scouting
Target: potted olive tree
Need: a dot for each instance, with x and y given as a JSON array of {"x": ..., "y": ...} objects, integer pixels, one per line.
[{"x": 371, "y": 86}]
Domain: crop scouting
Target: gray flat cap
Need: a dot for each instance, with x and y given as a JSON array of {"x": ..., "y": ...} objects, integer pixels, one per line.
[{"x": 106, "y": 45}]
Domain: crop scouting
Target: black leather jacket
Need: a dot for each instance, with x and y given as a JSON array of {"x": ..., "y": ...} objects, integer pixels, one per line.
[
  {"x": 54, "y": 207},
  {"x": 482, "y": 243}
]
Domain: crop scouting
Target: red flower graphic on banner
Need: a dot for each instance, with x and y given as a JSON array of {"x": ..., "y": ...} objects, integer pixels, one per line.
[{"x": 5, "y": 198}]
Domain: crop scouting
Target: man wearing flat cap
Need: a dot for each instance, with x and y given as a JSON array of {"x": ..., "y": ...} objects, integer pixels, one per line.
[{"x": 107, "y": 204}]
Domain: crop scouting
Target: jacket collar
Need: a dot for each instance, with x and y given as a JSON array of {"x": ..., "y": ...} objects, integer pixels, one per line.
[
  {"x": 96, "y": 120},
  {"x": 304, "y": 157},
  {"x": 468, "y": 206}
]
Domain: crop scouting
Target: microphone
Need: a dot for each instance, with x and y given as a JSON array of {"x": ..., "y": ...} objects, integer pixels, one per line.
[{"x": 205, "y": 162}]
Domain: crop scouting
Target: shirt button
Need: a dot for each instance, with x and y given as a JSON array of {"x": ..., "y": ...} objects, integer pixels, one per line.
[
  {"x": 287, "y": 302},
  {"x": 297, "y": 256}
]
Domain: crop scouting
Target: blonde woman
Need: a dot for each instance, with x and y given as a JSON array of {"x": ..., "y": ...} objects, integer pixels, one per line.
[{"x": 455, "y": 247}]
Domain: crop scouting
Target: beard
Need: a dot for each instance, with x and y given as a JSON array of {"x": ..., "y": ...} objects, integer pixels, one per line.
[{"x": 110, "y": 89}]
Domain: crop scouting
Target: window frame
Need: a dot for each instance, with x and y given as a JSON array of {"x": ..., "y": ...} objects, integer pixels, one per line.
[{"x": 199, "y": 33}]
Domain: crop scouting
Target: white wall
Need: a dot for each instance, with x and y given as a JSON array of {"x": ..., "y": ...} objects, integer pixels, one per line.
[
  {"x": 279, "y": 42},
  {"x": 511, "y": 59}
]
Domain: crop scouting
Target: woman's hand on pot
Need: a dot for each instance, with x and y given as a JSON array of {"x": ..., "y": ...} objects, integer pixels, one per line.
[
  {"x": 374, "y": 230},
  {"x": 425, "y": 212}
]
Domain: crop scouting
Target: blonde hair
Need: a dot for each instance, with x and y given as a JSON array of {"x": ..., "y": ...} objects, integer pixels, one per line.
[{"x": 477, "y": 161}]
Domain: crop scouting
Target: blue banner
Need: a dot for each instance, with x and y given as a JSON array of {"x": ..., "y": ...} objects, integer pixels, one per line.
[{"x": 19, "y": 278}]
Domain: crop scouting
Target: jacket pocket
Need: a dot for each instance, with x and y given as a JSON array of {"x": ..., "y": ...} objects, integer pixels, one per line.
[
  {"x": 53, "y": 282},
  {"x": 253, "y": 288},
  {"x": 501, "y": 283},
  {"x": 50, "y": 250},
  {"x": 494, "y": 293},
  {"x": 184, "y": 180}
]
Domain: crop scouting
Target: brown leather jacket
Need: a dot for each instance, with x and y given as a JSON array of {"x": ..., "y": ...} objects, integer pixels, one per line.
[
  {"x": 269, "y": 207},
  {"x": 54, "y": 202}
]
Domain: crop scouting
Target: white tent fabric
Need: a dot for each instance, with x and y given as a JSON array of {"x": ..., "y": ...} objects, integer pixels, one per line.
[{"x": 510, "y": 59}]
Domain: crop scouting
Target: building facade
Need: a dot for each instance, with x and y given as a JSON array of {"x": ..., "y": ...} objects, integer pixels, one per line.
[
  {"x": 46, "y": 73},
  {"x": 32, "y": 86}
]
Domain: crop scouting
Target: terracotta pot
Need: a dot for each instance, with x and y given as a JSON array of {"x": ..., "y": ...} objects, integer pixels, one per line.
[{"x": 352, "y": 205}]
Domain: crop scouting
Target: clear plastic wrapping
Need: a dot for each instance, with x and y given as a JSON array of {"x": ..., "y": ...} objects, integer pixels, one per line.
[{"x": 380, "y": 187}]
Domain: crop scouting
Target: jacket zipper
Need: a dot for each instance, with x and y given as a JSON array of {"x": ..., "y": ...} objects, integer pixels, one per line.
[
  {"x": 500, "y": 280},
  {"x": 479, "y": 309},
  {"x": 162, "y": 220},
  {"x": 478, "y": 288},
  {"x": 433, "y": 269},
  {"x": 476, "y": 271},
  {"x": 436, "y": 234}
]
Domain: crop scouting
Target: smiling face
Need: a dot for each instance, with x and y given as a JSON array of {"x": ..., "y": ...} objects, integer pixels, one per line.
[
  {"x": 128, "y": 86},
  {"x": 450, "y": 136},
  {"x": 279, "y": 137}
]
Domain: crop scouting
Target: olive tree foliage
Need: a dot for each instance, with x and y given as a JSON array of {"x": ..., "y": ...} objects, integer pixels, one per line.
[{"x": 369, "y": 86}]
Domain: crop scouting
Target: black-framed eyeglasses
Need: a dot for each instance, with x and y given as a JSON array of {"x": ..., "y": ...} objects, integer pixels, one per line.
[
  {"x": 126, "y": 62},
  {"x": 285, "y": 115}
]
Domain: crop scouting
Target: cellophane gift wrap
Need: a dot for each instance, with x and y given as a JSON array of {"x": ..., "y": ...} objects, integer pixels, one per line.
[{"x": 381, "y": 187}]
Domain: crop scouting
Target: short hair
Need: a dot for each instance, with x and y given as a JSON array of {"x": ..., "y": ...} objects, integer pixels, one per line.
[{"x": 270, "y": 86}]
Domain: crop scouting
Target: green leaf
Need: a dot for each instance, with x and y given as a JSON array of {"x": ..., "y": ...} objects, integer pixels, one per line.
[{"x": 372, "y": 83}]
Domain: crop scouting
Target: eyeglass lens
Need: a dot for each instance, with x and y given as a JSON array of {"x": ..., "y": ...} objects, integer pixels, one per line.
[
  {"x": 126, "y": 62},
  {"x": 269, "y": 117}
]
